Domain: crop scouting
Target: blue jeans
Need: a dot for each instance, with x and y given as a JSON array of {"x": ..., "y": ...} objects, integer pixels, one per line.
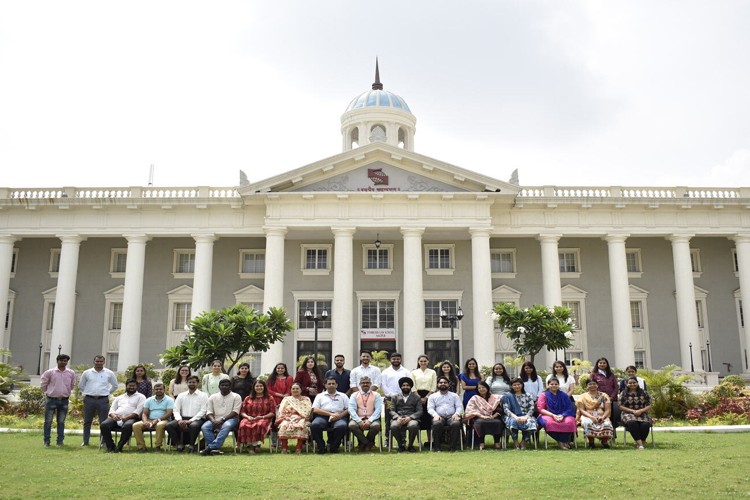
[
  {"x": 54, "y": 407},
  {"x": 214, "y": 443}
]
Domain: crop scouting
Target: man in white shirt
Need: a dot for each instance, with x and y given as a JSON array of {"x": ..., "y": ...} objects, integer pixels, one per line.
[
  {"x": 189, "y": 412},
  {"x": 365, "y": 370},
  {"x": 221, "y": 417},
  {"x": 331, "y": 410},
  {"x": 96, "y": 385},
  {"x": 124, "y": 412}
]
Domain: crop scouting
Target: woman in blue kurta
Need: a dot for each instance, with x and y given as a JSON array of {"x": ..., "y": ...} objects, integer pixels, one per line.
[
  {"x": 470, "y": 379},
  {"x": 519, "y": 413}
]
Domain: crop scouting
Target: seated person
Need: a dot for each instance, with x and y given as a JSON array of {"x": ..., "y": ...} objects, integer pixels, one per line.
[
  {"x": 557, "y": 416},
  {"x": 294, "y": 414},
  {"x": 595, "y": 409},
  {"x": 365, "y": 408},
  {"x": 484, "y": 413},
  {"x": 124, "y": 412},
  {"x": 330, "y": 411},
  {"x": 406, "y": 411},
  {"x": 157, "y": 410},
  {"x": 634, "y": 406},
  {"x": 631, "y": 372},
  {"x": 519, "y": 413},
  {"x": 256, "y": 417},
  {"x": 221, "y": 417},
  {"x": 445, "y": 409},
  {"x": 189, "y": 412}
]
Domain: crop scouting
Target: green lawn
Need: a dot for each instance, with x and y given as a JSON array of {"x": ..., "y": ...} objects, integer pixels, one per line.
[{"x": 684, "y": 465}]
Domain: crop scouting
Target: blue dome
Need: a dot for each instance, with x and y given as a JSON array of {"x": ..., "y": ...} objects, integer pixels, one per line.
[{"x": 374, "y": 98}]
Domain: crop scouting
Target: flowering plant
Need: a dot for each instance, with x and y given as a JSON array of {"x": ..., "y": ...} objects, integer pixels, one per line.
[{"x": 535, "y": 328}]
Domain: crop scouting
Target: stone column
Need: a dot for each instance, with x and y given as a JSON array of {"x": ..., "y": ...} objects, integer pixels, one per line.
[
  {"x": 6, "y": 260},
  {"x": 622, "y": 325},
  {"x": 742, "y": 247},
  {"x": 342, "y": 317},
  {"x": 550, "y": 280},
  {"x": 413, "y": 296},
  {"x": 273, "y": 293},
  {"x": 65, "y": 298},
  {"x": 204, "y": 261},
  {"x": 687, "y": 317},
  {"x": 132, "y": 304},
  {"x": 481, "y": 280}
]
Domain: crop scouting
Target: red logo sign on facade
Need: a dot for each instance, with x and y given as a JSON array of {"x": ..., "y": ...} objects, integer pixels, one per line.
[{"x": 377, "y": 176}]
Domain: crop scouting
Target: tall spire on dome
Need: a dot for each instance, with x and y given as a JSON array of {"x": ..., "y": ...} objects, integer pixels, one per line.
[{"x": 377, "y": 85}]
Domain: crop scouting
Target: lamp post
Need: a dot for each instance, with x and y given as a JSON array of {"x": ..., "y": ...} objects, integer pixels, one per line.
[
  {"x": 692, "y": 366},
  {"x": 708, "y": 353},
  {"x": 315, "y": 319},
  {"x": 59, "y": 348},
  {"x": 39, "y": 366},
  {"x": 452, "y": 319}
]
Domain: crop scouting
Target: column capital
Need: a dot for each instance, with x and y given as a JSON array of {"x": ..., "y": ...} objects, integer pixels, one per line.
[
  {"x": 412, "y": 231},
  {"x": 680, "y": 237},
  {"x": 740, "y": 238},
  {"x": 71, "y": 238},
  {"x": 550, "y": 237},
  {"x": 8, "y": 238},
  {"x": 136, "y": 237},
  {"x": 204, "y": 237},
  {"x": 275, "y": 230},
  {"x": 478, "y": 232},
  {"x": 616, "y": 237},
  {"x": 343, "y": 230}
]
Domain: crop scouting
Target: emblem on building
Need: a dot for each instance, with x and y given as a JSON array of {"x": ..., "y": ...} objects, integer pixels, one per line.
[{"x": 377, "y": 176}]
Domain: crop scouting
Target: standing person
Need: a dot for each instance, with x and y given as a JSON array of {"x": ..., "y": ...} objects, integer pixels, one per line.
[
  {"x": 294, "y": 413},
  {"x": 406, "y": 412},
  {"x": 57, "y": 384},
  {"x": 309, "y": 377},
  {"x": 566, "y": 382},
  {"x": 499, "y": 381},
  {"x": 634, "y": 406},
  {"x": 243, "y": 382},
  {"x": 190, "y": 409},
  {"x": 446, "y": 370},
  {"x": 607, "y": 382},
  {"x": 257, "y": 415},
  {"x": 365, "y": 410},
  {"x": 557, "y": 415},
  {"x": 470, "y": 379},
  {"x": 280, "y": 383},
  {"x": 484, "y": 414},
  {"x": 632, "y": 372},
  {"x": 532, "y": 383},
  {"x": 142, "y": 382},
  {"x": 330, "y": 411},
  {"x": 390, "y": 386},
  {"x": 157, "y": 410},
  {"x": 221, "y": 417},
  {"x": 340, "y": 373},
  {"x": 125, "y": 411},
  {"x": 179, "y": 382},
  {"x": 519, "y": 413},
  {"x": 210, "y": 383},
  {"x": 96, "y": 385},
  {"x": 364, "y": 370},
  {"x": 595, "y": 409},
  {"x": 445, "y": 409},
  {"x": 425, "y": 383}
]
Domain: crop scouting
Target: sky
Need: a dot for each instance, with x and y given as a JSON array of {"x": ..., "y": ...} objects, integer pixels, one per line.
[{"x": 570, "y": 93}]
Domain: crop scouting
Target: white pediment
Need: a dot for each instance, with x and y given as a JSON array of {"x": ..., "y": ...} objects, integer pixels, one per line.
[{"x": 380, "y": 167}]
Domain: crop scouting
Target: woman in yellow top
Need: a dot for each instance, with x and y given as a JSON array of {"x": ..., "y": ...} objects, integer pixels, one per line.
[{"x": 425, "y": 383}]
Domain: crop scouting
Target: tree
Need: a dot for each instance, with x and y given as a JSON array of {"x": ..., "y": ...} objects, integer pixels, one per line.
[
  {"x": 228, "y": 335},
  {"x": 535, "y": 328}
]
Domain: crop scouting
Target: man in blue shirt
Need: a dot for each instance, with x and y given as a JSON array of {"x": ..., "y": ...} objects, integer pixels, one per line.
[
  {"x": 157, "y": 410},
  {"x": 341, "y": 375}
]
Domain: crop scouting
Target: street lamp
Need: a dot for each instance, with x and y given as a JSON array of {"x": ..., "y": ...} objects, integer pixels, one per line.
[
  {"x": 692, "y": 366},
  {"x": 59, "y": 348},
  {"x": 39, "y": 366},
  {"x": 453, "y": 319},
  {"x": 309, "y": 317},
  {"x": 708, "y": 353}
]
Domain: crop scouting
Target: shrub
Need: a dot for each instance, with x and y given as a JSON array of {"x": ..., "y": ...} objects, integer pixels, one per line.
[
  {"x": 167, "y": 376},
  {"x": 31, "y": 400},
  {"x": 669, "y": 396},
  {"x": 734, "y": 380}
]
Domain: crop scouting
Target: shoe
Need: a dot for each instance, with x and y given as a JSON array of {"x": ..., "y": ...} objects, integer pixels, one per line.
[
  {"x": 142, "y": 450},
  {"x": 333, "y": 450},
  {"x": 284, "y": 451},
  {"x": 641, "y": 447},
  {"x": 117, "y": 450},
  {"x": 481, "y": 447},
  {"x": 205, "y": 453},
  {"x": 190, "y": 448},
  {"x": 453, "y": 450},
  {"x": 83, "y": 445},
  {"x": 298, "y": 451},
  {"x": 111, "y": 450},
  {"x": 158, "y": 449},
  {"x": 180, "y": 448},
  {"x": 216, "y": 453},
  {"x": 411, "y": 449},
  {"x": 321, "y": 451},
  {"x": 46, "y": 445},
  {"x": 401, "y": 449},
  {"x": 605, "y": 446}
]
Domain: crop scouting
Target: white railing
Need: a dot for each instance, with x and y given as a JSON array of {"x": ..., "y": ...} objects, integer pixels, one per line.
[
  {"x": 118, "y": 193},
  {"x": 651, "y": 193}
]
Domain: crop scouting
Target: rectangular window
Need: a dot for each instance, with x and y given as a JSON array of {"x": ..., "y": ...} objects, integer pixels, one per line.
[
  {"x": 699, "y": 313},
  {"x": 735, "y": 262},
  {"x": 640, "y": 359},
  {"x": 388, "y": 346},
  {"x": 575, "y": 313},
  {"x": 569, "y": 261},
  {"x": 378, "y": 314},
  {"x": 439, "y": 258},
  {"x": 742, "y": 316},
  {"x": 307, "y": 348},
  {"x": 440, "y": 350},
  {"x": 633, "y": 260},
  {"x": 316, "y": 259},
  {"x": 112, "y": 360},
  {"x": 378, "y": 258},
  {"x": 7, "y": 316},
  {"x": 252, "y": 263},
  {"x": 571, "y": 355},
  {"x": 54, "y": 260},
  {"x": 695, "y": 260},
  {"x": 115, "y": 316},
  {"x": 50, "y": 316},
  {"x": 184, "y": 261},
  {"x": 13, "y": 262},
  {"x": 316, "y": 307},
  {"x": 503, "y": 262},
  {"x": 118, "y": 261},
  {"x": 182, "y": 315},
  {"x": 636, "y": 314},
  {"x": 432, "y": 310}
]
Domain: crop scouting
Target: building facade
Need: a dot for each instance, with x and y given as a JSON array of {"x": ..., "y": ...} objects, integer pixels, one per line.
[{"x": 382, "y": 238}]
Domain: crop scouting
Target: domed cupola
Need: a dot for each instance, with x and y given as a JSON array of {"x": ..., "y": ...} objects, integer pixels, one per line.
[{"x": 378, "y": 115}]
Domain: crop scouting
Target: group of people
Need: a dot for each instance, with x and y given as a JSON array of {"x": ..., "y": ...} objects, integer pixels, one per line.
[{"x": 346, "y": 401}]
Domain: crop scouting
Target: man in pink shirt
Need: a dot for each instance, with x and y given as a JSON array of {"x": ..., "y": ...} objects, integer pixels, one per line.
[{"x": 57, "y": 384}]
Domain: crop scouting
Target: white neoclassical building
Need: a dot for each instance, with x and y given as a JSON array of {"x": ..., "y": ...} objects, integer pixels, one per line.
[{"x": 383, "y": 238}]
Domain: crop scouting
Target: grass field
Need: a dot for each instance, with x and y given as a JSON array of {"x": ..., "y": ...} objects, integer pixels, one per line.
[{"x": 682, "y": 466}]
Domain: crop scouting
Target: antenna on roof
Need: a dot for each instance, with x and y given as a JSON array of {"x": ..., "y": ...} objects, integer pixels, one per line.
[
  {"x": 151, "y": 175},
  {"x": 377, "y": 85}
]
